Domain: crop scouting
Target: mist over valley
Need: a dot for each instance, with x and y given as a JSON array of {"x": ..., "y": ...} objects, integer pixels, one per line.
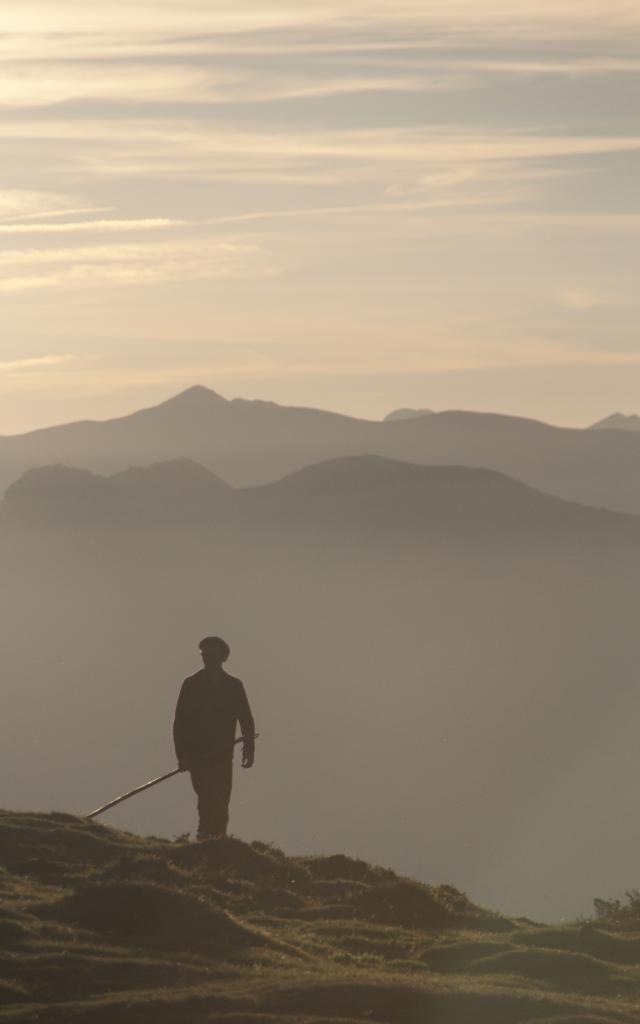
[{"x": 441, "y": 660}]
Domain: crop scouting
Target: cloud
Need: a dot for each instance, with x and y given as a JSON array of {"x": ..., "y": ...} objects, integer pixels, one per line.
[
  {"x": 515, "y": 60},
  {"x": 83, "y": 226},
  {"x": 17, "y": 203},
  {"x": 35, "y": 362},
  {"x": 39, "y": 31},
  {"x": 297, "y": 362},
  {"x": 135, "y": 84},
  {"x": 580, "y": 299},
  {"x": 301, "y": 213},
  {"x": 159, "y": 149},
  {"x": 575, "y": 65},
  {"x": 157, "y": 17},
  {"x": 122, "y": 83},
  {"x": 270, "y": 88},
  {"x": 50, "y": 84},
  {"x": 127, "y": 264},
  {"x": 85, "y": 52}
]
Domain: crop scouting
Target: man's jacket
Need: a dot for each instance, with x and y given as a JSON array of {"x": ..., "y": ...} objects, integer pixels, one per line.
[{"x": 209, "y": 706}]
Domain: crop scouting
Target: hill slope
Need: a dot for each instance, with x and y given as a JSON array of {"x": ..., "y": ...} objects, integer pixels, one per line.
[
  {"x": 250, "y": 442},
  {"x": 103, "y": 927},
  {"x": 355, "y": 493}
]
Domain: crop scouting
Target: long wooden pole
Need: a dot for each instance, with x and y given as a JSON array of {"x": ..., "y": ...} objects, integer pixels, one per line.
[{"x": 141, "y": 789}]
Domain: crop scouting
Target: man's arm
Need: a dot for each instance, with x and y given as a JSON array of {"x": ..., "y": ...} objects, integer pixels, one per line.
[
  {"x": 248, "y": 727},
  {"x": 181, "y": 728}
]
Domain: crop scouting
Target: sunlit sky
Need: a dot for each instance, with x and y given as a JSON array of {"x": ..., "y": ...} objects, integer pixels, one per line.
[{"x": 357, "y": 206}]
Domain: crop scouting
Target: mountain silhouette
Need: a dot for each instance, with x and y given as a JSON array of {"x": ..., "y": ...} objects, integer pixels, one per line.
[
  {"x": 618, "y": 421},
  {"x": 178, "y": 490},
  {"x": 354, "y": 493},
  {"x": 255, "y": 442},
  {"x": 244, "y": 441},
  {"x": 407, "y": 414}
]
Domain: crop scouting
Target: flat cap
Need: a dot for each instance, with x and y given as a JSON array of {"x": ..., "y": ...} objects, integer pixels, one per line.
[{"x": 215, "y": 641}]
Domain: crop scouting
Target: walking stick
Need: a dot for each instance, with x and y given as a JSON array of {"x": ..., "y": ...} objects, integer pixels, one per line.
[{"x": 147, "y": 785}]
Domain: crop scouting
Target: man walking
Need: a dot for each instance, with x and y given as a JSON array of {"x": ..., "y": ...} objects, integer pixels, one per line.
[{"x": 209, "y": 705}]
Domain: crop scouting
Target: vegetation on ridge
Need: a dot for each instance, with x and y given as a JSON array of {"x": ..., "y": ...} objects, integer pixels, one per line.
[{"x": 100, "y": 925}]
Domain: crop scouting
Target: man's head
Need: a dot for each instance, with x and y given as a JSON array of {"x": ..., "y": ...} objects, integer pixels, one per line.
[{"x": 214, "y": 651}]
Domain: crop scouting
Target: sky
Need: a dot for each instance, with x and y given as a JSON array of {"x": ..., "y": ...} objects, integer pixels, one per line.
[{"x": 356, "y": 206}]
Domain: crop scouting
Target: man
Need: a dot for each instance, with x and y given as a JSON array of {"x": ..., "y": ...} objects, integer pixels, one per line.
[{"x": 204, "y": 729}]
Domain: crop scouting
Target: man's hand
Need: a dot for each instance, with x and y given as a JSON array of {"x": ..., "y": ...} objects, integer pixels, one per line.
[{"x": 247, "y": 756}]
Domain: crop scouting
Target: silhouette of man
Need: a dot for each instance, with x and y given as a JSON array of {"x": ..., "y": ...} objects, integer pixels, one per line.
[{"x": 204, "y": 728}]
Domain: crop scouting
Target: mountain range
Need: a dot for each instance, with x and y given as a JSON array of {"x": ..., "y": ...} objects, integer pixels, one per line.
[
  {"x": 253, "y": 442},
  {"x": 345, "y": 496}
]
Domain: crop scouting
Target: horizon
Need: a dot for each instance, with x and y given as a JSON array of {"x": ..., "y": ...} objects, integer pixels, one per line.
[{"x": 163, "y": 399}]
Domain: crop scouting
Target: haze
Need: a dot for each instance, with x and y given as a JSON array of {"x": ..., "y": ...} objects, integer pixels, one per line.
[{"x": 442, "y": 659}]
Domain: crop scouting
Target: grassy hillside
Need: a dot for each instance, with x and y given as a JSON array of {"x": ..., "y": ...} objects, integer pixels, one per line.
[{"x": 100, "y": 925}]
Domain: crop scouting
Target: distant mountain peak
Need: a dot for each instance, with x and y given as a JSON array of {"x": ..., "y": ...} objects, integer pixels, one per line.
[
  {"x": 407, "y": 414},
  {"x": 181, "y": 472},
  {"x": 197, "y": 394},
  {"x": 164, "y": 491},
  {"x": 618, "y": 421},
  {"x": 54, "y": 478}
]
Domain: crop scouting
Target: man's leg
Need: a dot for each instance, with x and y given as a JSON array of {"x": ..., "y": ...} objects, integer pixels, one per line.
[{"x": 212, "y": 784}]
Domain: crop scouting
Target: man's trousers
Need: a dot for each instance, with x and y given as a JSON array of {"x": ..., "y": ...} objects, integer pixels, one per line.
[{"x": 212, "y": 783}]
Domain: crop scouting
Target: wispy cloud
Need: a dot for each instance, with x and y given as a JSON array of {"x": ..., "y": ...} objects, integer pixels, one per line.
[
  {"x": 470, "y": 70},
  {"x": 17, "y": 203},
  {"x": 149, "y": 17},
  {"x": 580, "y": 299},
  {"x": 34, "y": 363},
  {"x": 89, "y": 226},
  {"x": 49, "y": 85},
  {"x": 129, "y": 264},
  {"x": 302, "y": 213},
  {"x": 161, "y": 149},
  {"x": 37, "y": 31}
]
